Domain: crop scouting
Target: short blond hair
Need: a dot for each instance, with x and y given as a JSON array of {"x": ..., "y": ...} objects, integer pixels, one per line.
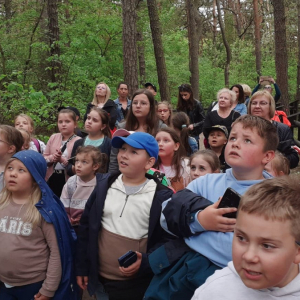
[
  {"x": 275, "y": 199},
  {"x": 280, "y": 164},
  {"x": 265, "y": 129},
  {"x": 247, "y": 90},
  {"x": 268, "y": 96},
  {"x": 228, "y": 91}
]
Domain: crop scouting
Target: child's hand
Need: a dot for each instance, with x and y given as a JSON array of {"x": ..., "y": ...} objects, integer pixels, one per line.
[
  {"x": 191, "y": 127},
  {"x": 82, "y": 281},
  {"x": 57, "y": 156},
  {"x": 211, "y": 218},
  {"x": 39, "y": 296},
  {"x": 75, "y": 221},
  {"x": 132, "y": 269}
]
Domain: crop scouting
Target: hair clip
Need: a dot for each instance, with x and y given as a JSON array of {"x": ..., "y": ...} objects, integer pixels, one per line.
[{"x": 183, "y": 126}]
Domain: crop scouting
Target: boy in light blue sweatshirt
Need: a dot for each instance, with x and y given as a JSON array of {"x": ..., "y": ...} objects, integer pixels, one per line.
[{"x": 251, "y": 145}]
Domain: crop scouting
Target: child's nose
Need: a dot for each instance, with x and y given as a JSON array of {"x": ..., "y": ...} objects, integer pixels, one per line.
[{"x": 250, "y": 255}]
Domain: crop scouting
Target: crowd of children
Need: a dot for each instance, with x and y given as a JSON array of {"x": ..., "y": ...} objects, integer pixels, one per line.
[{"x": 146, "y": 188}]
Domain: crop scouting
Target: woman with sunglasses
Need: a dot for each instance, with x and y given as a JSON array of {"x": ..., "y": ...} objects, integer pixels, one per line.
[{"x": 192, "y": 107}]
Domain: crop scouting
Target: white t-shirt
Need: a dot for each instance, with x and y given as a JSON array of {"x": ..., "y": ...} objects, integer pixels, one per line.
[{"x": 226, "y": 284}]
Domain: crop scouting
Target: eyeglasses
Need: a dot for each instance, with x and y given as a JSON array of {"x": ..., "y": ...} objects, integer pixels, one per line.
[
  {"x": 142, "y": 103},
  {"x": 262, "y": 103},
  {"x": 162, "y": 110},
  {"x": 268, "y": 87}
]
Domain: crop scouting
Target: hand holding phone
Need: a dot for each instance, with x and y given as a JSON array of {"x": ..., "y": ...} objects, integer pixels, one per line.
[
  {"x": 231, "y": 198},
  {"x": 127, "y": 259}
]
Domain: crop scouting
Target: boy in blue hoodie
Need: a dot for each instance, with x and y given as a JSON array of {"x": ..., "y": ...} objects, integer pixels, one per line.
[{"x": 251, "y": 145}]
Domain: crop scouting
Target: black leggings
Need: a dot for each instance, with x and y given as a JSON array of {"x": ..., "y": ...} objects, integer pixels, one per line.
[{"x": 56, "y": 183}]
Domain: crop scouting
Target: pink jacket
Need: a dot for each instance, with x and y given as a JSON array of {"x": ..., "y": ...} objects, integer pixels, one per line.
[{"x": 53, "y": 144}]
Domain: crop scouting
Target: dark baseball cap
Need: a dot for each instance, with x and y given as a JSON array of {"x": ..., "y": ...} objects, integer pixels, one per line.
[
  {"x": 150, "y": 84},
  {"x": 222, "y": 128}
]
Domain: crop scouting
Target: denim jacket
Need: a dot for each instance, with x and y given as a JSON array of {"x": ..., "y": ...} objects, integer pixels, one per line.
[{"x": 120, "y": 115}]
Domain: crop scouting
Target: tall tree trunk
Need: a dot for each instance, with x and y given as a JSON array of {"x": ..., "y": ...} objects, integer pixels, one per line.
[
  {"x": 298, "y": 64},
  {"x": 214, "y": 22},
  {"x": 8, "y": 13},
  {"x": 141, "y": 57},
  {"x": 226, "y": 44},
  {"x": 257, "y": 24},
  {"x": 281, "y": 58},
  {"x": 130, "y": 57},
  {"x": 54, "y": 39},
  {"x": 194, "y": 40},
  {"x": 158, "y": 50}
]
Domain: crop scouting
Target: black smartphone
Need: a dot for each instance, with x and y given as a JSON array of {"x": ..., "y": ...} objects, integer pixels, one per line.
[
  {"x": 231, "y": 198},
  {"x": 127, "y": 259},
  {"x": 72, "y": 160}
]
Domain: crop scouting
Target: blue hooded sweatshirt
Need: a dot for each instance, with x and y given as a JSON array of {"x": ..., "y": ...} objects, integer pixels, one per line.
[{"x": 53, "y": 211}]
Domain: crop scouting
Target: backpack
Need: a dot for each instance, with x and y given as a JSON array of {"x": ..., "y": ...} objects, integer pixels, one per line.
[
  {"x": 37, "y": 144},
  {"x": 281, "y": 117}
]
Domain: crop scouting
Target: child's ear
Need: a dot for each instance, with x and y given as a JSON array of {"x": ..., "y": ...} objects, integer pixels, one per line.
[
  {"x": 11, "y": 149},
  {"x": 96, "y": 167},
  {"x": 176, "y": 146},
  {"x": 150, "y": 163},
  {"x": 103, "y": 127},
  {"x": 268, "y": 156},
  {"x": 297, "y": 257}
]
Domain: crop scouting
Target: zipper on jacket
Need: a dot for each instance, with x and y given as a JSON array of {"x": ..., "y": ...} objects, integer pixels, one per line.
[{"x": 124, "y": 206}]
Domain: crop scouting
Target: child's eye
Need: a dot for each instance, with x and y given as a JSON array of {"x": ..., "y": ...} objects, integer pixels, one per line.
[
  {"x": 202, "y": 169},
  {"x": 247, "y": 141},
  {"x": 21, "y": 170},
  {"x": 123, "y": 148},
  {"x": 9, "y": 168},
  {"x": 268, "y": 246},
  {"x": 193, "y": 168},
  {"x": 84, "y": 162},
  {"x": 241, "y": 238},
  {"x": 134, "y": 152},
  {"x": 232, "y": 138}
]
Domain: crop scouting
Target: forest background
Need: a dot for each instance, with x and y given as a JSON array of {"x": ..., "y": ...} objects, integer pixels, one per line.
[{"x": 54, "y": 52}]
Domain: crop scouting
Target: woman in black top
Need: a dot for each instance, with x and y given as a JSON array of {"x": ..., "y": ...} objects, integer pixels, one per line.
[
  {"x": 224, "y": 115},
  {"x": 192, "y": 108},
  {"x": 101, "y": 99}
]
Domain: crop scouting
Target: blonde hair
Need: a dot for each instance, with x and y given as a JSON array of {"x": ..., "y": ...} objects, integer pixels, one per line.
[
  {"x": 28, "y": 118},
  {"x": 26, "y": 137},
  {"x": 228, "y": 91},
  {"x": 32, "y": 215},
  {"x": 210, "y": 157},
  {"x": 169, "y": 106},
  {"x": 280, "y": 164},
  {"x": 275, "y": 199},
  {"x": 247, "y": 90},
  {"x": 264, "y": 93},
  {"x": 108, "y": 93}
]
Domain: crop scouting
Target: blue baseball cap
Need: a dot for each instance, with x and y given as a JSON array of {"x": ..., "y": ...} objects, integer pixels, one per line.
[{"x": 138, "y": 140}]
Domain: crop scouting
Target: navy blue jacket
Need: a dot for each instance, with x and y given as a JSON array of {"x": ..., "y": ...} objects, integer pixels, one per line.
[
  {"x": 90, "y": 225},
  {"x": 53, "y": 211},
  {"x": 105, "y": 147}
]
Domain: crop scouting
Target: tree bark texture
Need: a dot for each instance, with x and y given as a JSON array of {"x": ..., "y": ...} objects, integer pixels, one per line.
[
  {"x": 158, "y": 51},
  {"x": 226, "y": 44},
  {"x": 8, "y": 13},
  {"x": 53, "y": 32},
  {"x": 130, "y": 58},
  {"x": 257, "y": 35},
  {"x": 281, "y": 58},
  {"x": 141, "y": 57},
  {"x": 298, "y": 64},
  {"x": 194, "y": 40}
]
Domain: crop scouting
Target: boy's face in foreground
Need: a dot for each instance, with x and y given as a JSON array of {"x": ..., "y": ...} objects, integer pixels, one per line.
[
  {"x": 245, "y": 153},
  {"x": 264, "y": 252},
  {"x": 134, "y": 162}
]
